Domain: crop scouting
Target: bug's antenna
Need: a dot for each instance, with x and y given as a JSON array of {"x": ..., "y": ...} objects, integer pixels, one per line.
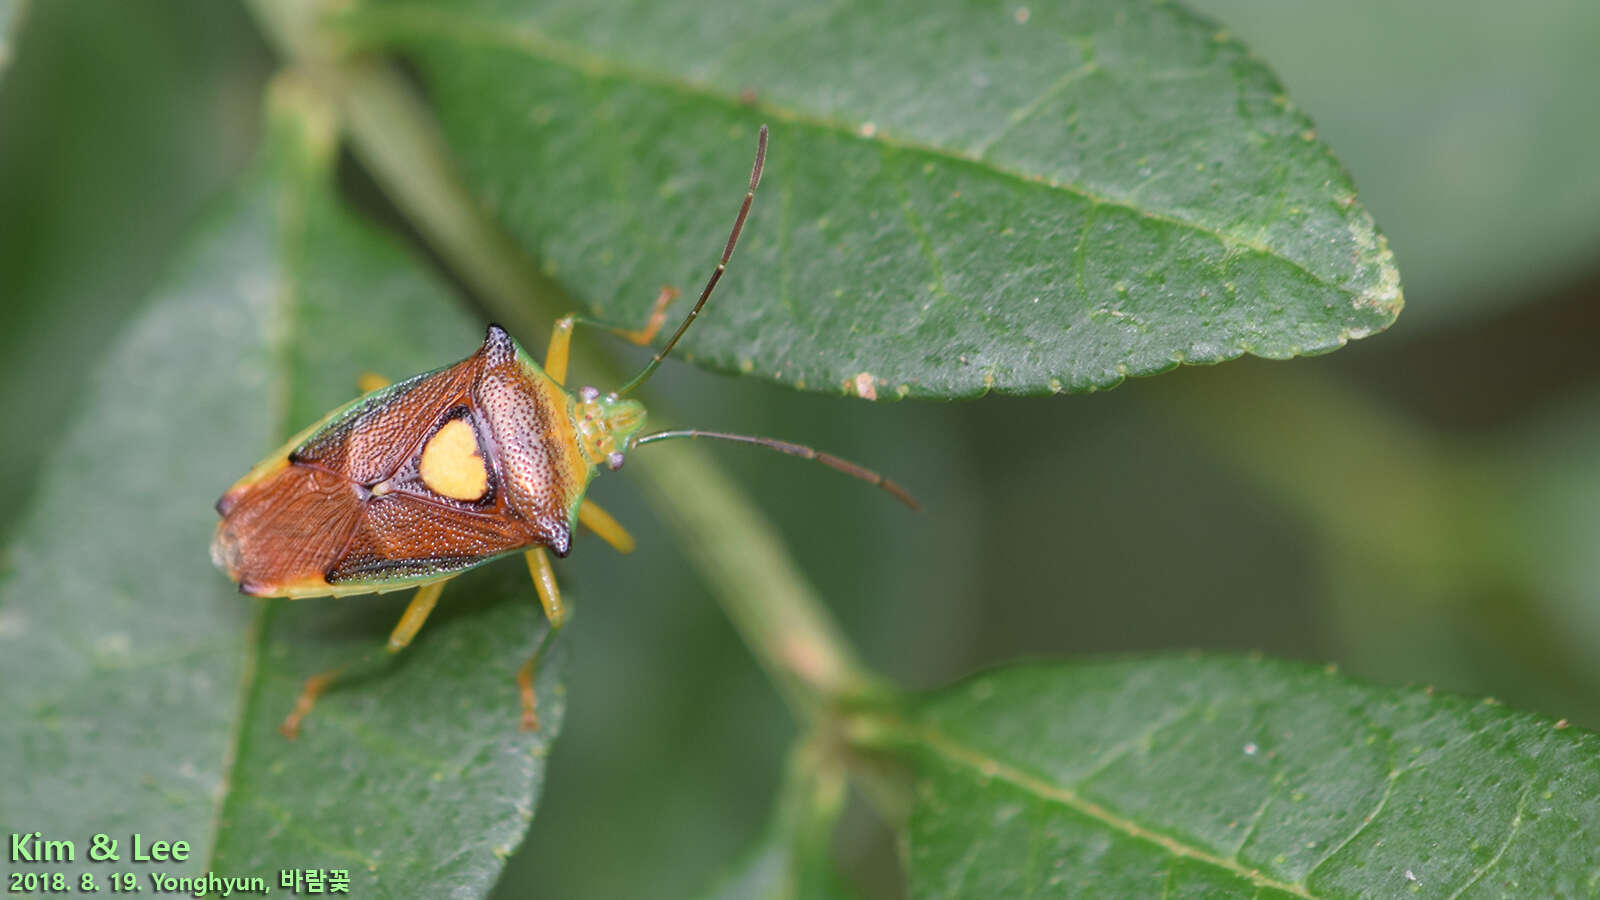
[
  {"x": 800, "y": 450},
  {"x": 716, "y": 275}
]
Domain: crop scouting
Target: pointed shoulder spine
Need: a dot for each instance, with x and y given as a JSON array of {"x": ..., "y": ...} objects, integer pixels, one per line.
[{"x": 499, "y": 347}]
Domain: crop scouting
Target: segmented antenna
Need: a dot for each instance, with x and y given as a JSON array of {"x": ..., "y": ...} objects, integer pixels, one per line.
[
  {"x": 800, "y": 450},
  {"x": 716, "y": 275}
]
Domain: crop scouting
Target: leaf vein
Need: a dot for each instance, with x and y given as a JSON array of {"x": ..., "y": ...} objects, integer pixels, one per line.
[
  {"x": 1516, "y": 825},
  {"x": 368, "y": 26},
  {"x": 807, "y": 18},
  {"x": 1172, "y": 875},
  {"x": 1028, "y": 109},
  {"x": 923, "y": 239},
  {"x": 286, "y": 822},
  {"x": 1081, "y": 255},
  {"x": 329, "y": 714},
  {"x": 290, "y": 233},
  {"x": 786, "y": 240},
  {"x": 1122, "y": 749},
  {"x": 1255, "y": 822},
  {"x": 982, "y": 764},
  {"x": 1368, "y": 819}
]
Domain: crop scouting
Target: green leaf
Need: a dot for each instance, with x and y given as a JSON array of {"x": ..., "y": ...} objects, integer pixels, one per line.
[
  {"x": 1222, "y": 776},
  {"x": 142, "y": 691},
  {"x": 958, "y": 198},
  {"x": 1474, "y": 168}
]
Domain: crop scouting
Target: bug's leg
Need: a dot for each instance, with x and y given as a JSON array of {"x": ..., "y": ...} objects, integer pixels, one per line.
[
  {"x": 368, "y": 382},
  {"x": 658, "y": 317},
  {"x": 416, "y": 613},
  {"x": 555, "y": 358},
  {"x": 609, "y": 529},
  {"x": 544, "y": 579},
  {"x": 411, "y": 620}
]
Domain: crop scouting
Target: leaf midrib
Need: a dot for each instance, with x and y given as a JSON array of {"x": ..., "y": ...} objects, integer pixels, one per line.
[
  {"x": 986, "y": 766},
  {"x": 291, "y": 204},
  {"x": 365, "y": 26}
]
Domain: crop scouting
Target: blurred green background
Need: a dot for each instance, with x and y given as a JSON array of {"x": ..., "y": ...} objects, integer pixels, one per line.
[{"x": 1422, "y": 506}]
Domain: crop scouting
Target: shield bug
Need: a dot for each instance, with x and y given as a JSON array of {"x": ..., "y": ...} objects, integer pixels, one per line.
[{"x": 416, "y": 482}]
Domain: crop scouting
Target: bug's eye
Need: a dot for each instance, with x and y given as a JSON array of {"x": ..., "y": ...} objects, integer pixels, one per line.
[
  {"x": 614, "y": 460},
  {"x": 588, "y": 393}
]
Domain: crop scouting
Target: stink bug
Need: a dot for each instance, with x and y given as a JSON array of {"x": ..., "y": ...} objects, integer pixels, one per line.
[{"x": 416, "y": 482}]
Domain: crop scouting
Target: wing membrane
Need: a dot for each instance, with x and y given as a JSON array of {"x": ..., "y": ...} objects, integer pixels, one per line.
[{"x": 286, "y": 531}]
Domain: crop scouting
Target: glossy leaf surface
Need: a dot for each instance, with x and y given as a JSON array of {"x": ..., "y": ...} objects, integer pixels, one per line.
[
  {"x": 1195, "y": 776},
  {"x": 958, "y": 198}
]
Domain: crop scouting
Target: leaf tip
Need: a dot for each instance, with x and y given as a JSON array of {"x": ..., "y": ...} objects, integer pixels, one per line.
[{"x": 1384, "y": 296}]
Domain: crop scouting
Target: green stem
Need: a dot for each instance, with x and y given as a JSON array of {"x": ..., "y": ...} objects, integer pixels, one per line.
[
  {"x": 744, "y": 559},
  {"x": 736, "y": 548}
]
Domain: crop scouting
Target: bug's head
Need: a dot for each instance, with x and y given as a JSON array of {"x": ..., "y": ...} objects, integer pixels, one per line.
[{"x": 607, "y": 425}]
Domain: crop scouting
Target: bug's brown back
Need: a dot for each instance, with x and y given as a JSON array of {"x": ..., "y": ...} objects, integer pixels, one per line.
[{"x": 373, "y": 497}]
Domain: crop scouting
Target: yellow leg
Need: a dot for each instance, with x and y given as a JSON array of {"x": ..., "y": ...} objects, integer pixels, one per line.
[
  {"x": 658, "y": 317},
  {"x": 416, "y": 613},
  {"x": 555, "y": 357},
  {"x": 544, "y": 579},
  {"x": 371, "y": 381},
  {"x": 610, "y": 530},
  {"x": 411, "y": 620}
]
